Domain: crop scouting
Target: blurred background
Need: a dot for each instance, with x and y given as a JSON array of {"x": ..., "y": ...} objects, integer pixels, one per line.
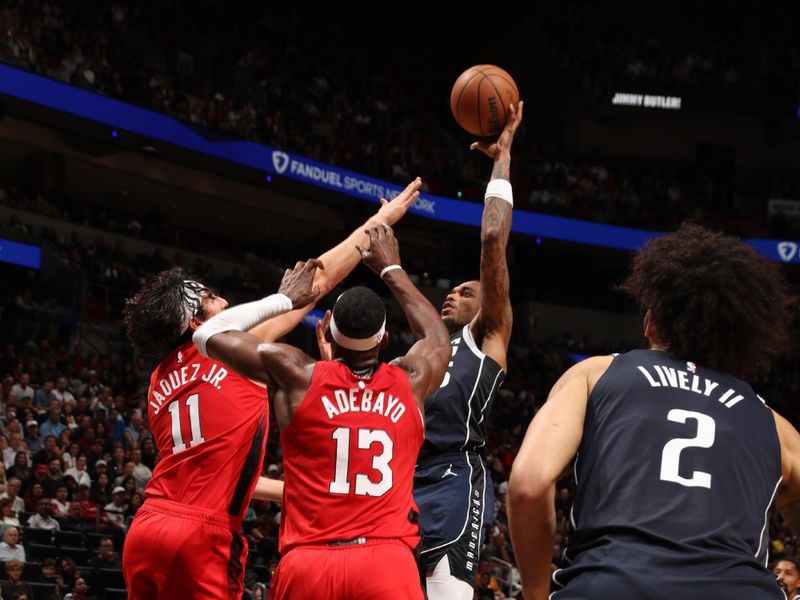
[{"x": 233, "y": 141}]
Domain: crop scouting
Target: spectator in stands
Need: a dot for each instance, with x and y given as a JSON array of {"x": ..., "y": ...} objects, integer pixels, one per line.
[
  {"x": 101, "y": 490},
  {"x": 106, "y": 559},
  {"x": 134, "y": 431},
  {"x": 70, "y": 456},
  {"x": 141, "y": 472},
  {"x": 12, "y": 491},
  {"x": 485, "y": 570},
  {"x": 129, "y": 485},
  {"x": 74, "y": 520},
  {"x": 78, "y": 472},
  {"x": 69, "y": 573},
  {"x": 49, "y": 450},
  {"x": 100, "y": 467},
  {"x": 54, "y": 477},
  {"x": 15, "y": 586},
  {"x": 48, "y": 575},
  {"x": 21, "y": 467},
  {"x": 23, "y": 389},
  {"x": 43, "y": 518},
  {"x": 33, "y": 495},
  {"x": 43, "y": 396},
  {"x": 133, "y": 506},
  {"x": 79, "y": 591},
  {"x": 788, "y": 574},
  {"x": 32, "y": 439},
  {"x": 149, "y": 455},
  {"x": 126, "y": 475},
  {"x": 61, "y": 501},
  {"x": 10, "y": 453},
  {"x": 117, "y": 464},
  {"x": 54, "y": 424},
  {"x": 117, "y": 508},
  {"x": 7, "y": 518},
  {"x": 3, "y": 477},
  {"x": 9, "y": 548},
  {"x": 62, "y": 393}
]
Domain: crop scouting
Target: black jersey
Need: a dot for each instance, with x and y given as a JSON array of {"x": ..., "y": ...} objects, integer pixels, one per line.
[
  {"x": 455, "y": 415},
  {"x": 675, "y": 473}
]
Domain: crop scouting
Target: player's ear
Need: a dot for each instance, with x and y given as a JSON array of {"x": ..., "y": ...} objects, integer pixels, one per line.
[
  {"x": 327, "y": 334},
  {"x": 195, "y": 323},
  {"x": 384, "y": 341}
]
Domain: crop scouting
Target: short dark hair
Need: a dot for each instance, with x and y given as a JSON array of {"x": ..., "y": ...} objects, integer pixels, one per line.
[
  {"x": 790, "y": 559},
  {"x": 713, "y": 299},
  {"x": 154, "y": 316},
  {"x": 359, "y": 312}
]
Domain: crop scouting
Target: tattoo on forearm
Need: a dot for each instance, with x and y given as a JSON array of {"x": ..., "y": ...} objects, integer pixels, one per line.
[
  {"x": 494, "y": 268},
  {"x": 502, "y": 168}
]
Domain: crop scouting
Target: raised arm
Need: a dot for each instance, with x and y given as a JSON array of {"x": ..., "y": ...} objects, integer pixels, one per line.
[
  {"x": 491, "y": 327},
  {"x": 223, "y": 337},
  {"x": 549, "y": 446},
  {"x": 341, "y": 259},
  {"x": 426, "y": 361}
]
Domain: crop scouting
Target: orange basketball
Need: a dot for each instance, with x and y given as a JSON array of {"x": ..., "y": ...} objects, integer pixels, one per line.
[{"x": 480, "y": 98}]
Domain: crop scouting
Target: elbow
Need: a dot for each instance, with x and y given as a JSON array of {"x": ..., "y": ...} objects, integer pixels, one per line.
[
  {"x": 492, "y": 234},
  {"x": 527, "y": 488}
]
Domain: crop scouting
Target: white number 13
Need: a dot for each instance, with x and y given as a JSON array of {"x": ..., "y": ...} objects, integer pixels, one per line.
[
  {"x": 671, "y": 456},
  {"x": 380, "y": 462}
]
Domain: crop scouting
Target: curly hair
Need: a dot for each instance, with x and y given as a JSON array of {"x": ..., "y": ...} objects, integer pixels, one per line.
[
  {"x": 713, "y": 299},
  {"x": 155, "y": 316}
]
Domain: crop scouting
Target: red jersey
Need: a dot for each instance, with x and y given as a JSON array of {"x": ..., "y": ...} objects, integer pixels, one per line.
[
  {"x": 210, "y": 427},
  {"x": 349, "y": 455}
]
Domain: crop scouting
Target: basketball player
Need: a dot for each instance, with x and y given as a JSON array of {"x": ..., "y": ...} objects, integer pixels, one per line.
[
  {"x": 210, "y": 427},
  {"x": 452, "y": 486},
  {"x": 788, "y": 574},
  {"x": 676, "y": 458},
  {"x": 351, "y": 430}
]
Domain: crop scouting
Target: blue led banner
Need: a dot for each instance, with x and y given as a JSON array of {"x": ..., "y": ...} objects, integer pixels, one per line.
[
  {"x": 20, "y": 254},
  {"x": 157, "y": 126}
]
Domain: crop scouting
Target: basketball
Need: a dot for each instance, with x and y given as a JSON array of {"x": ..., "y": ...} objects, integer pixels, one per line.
[{"x": 480, "y": 98}]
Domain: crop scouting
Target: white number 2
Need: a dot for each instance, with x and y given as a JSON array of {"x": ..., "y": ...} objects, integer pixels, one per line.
[
  {"x": 380, "y": 462},
  {"x": 671, "y": 456},
  {"x": 193, "y": 402}
]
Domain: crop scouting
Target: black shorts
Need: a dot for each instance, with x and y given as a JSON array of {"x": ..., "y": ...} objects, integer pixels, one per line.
[{"x": 456, "y": 500}]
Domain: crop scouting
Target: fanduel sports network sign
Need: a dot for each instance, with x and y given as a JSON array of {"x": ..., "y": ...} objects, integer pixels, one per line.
[{"x": 126, "y": 117}]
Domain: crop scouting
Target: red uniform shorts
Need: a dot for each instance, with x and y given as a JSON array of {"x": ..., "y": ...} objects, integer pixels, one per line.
[
  {"x": 375, "y": 570},
  {"x": 175, "y": 551}
]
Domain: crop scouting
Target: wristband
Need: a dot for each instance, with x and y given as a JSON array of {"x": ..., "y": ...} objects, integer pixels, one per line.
[
  {"x": 500, "y": 188},
  {"x": 389, "y": 268}
]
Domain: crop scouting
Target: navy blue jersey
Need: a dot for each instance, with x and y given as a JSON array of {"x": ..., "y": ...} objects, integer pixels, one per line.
[
  {"x": 676, "y": 470},
  {"x": 455, "y": 415}
]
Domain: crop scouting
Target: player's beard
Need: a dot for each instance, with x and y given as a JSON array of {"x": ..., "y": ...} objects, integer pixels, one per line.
[{"x": 451, "y": 323}]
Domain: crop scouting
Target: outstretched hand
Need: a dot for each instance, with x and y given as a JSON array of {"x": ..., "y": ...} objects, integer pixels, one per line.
[
  {"x": 391, "y": 212},
  {"x": 384, "y": 250},
  {"x": 506, "y": 138},
  {"x": 297, "y": 283}
]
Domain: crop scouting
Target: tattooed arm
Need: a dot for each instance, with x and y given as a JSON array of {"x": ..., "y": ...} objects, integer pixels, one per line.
[{"x": 491, "y": 327}]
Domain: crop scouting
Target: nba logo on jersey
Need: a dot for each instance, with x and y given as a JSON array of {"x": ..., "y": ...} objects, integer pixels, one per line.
[
  {"x": 179, "y": 357},
  {"x": 691, "y": 366}
]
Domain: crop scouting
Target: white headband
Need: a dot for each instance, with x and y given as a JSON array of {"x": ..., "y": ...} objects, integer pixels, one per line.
[
  {"x": 366, "y": 343},
  {"x": 192, "y": 300}
]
